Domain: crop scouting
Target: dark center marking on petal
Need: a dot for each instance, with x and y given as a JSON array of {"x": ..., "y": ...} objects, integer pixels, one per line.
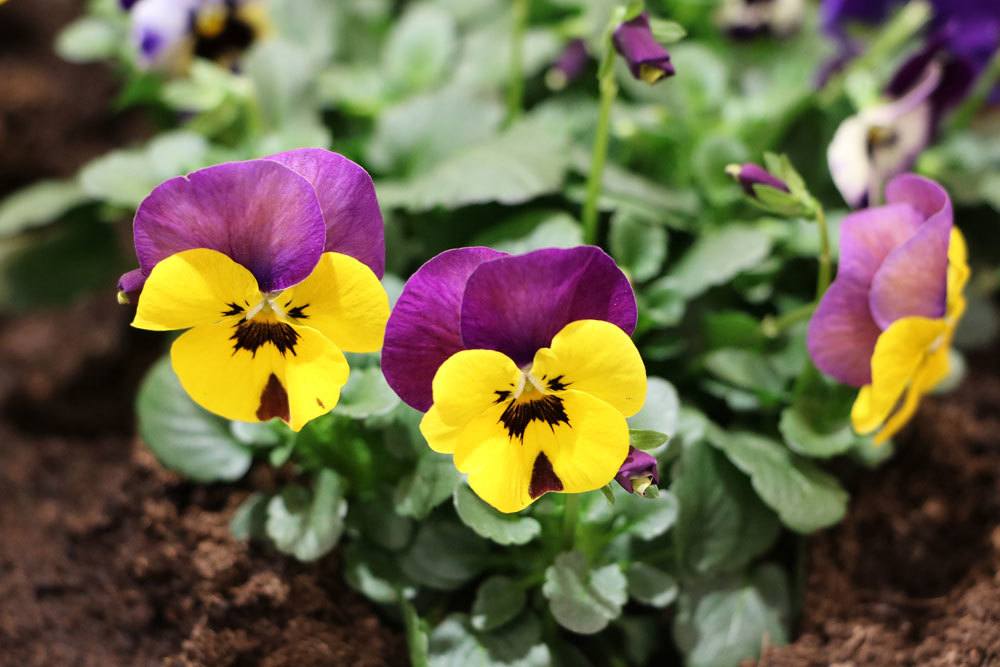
[
  {"x": 235, "y": 36},
  {"x": 519, "y": 414},
  {"x": 251, "y": 335},
  {"x": 298, "y": 312},
  {"x": 558, "y": 384},
  {"x": 273, "y": 400},
  {"x": 502, "y": 395},
  {"x": 234, "y": 309},
  {"x": 543, "y": 477}
]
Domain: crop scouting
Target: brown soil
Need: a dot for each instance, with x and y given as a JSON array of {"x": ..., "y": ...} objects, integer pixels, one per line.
[
  {"x": 912, "y": 576},
  {"x": 54, "y": 116},
  {"x": 107, "y": 560}
]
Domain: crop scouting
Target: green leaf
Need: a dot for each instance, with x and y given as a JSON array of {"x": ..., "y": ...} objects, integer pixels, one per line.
[
  {"x": 282, "y": 76},
  {"x": 88, "y": 39},
  {"x": 801, "y": 437},
  {"x": 183, "y": 436},
  {"x": 639, "y": 247},
  {"x": 662, "y": 302},
  {"x": 818, "y": 423},
  {"x": 308, "y": 524},
  {"x": 722, "y": 623},
  {"x": 648, "y": 517},
  {"x": 375, "y": 573},
  {"x": 805, "y": 498},
  {"x": 493, "y": 525},
  {"x": 646, "y": 439},
  {"x": 651, "y": 585},
  {"x": 721, "y": 524},
  {"x": 584, "y": 600},
  {"x": 418, "y": 50},
  {"x": 431, "y": 484},
  {"x": 556, "y": 231},
  {"x": 454, "y": 643},
  {"x": 419, "y": 132},
  {"x": 38, "y": 204},
  {"x": 260, "y": 434},
  {"x": 526, "y": 161},
  {"x": 417, "y": 640},
  {"x": 366, "y": 394},
  {"x": 498, "y": 600},
  {"x": 444, "y": 556},
  {"x": 749, "y": 370},
  {"x": 733, "y": 328},
  {"x": 250, "y": 518},
  {"x": 718, "y": 256},
  {"x": 667, "y": 32}
]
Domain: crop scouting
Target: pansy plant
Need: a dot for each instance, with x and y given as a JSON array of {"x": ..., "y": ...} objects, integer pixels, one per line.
[
  {"x": 166, "y": 34},
  {"x": 523, "y": 365},
  {"x": 273, "y": 267},
  {"x": 887, "y": 321}
]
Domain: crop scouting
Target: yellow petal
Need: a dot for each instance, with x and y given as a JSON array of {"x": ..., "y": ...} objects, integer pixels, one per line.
[
  {"x": 441, "y": 437},
  {"x": 470, "y": 382},
  {"x": 958, "y": 274},
  {"x": 598, "y": 358},
  {"x": 581, "y": 453},
  {"x": 296, "y": 385},
  {"x": 192, "y": 288},
  {"x": 928, "y": 376},
  {"x": 343, "y": 300},
  {"x": 900, "y": 353}
]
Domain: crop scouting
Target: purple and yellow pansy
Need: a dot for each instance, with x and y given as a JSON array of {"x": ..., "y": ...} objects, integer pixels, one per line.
[
  {"x": 524, "y": 366},
  {"x": 272, "y": 266},
  {"x": 887, "y": 321}
]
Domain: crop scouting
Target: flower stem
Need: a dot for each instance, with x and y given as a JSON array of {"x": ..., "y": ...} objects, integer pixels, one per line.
[
  {"x": 515, "y": 85},
  {"x": 609, "y": 91},
  {"x": 984, "y": 86},
  {"x": 825, "y": 269},
  {"x": 772, "y": 326},
  {"x": 571, "y": 514}
]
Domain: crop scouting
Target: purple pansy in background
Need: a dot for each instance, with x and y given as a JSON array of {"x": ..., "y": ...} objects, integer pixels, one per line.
[
  {"x": 569, "y": 66},
  {"x": 745, "y": 19},
  {"x": 886, "y": 322},
  {"x": 272, "y": 266},
  {"x": 639, "y": 471},
  {"x": 524, "y": 366},
  {"x": 646, "y": 57},
  {"x": 964, "y": 33},
  {"x": 168, "y": 33},
  {"x": 750, "y": 175}
]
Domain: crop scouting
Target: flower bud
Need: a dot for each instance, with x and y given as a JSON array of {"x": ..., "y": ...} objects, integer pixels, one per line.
[
  {"x": 569, "y": 66},
  {"x": 639, "y": 472},
  {"x": 646, "y": 58},
  {"x": 748, "y": 175}
]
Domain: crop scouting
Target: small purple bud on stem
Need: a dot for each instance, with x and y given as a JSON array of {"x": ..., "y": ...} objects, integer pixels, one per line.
[
  {"x": 646, "y": 58},
  {"x": 749, "y": 175},
  {"x": 638, "y": 472}
]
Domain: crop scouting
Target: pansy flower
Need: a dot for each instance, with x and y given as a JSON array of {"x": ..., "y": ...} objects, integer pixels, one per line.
[
  {"x": 744, "y": 19},
  {"x": 272, "y": 266},
  {"x": 168, "y": 33},
  {"x": 887, "y": 321},
  {"x": 523, "y": 365}
]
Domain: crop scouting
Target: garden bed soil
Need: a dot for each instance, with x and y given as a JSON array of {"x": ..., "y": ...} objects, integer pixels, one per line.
[
  {"x": 106, "y": 559},
  {"x": 912, "y": 576}
]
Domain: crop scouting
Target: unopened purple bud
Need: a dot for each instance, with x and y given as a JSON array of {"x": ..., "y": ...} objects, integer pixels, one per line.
[
  {"x": 638, "y": 472},
  {"x": 749, "y": 175},
  {"x": 570, "y": 65},
  {"x": 647, "y": 59}
]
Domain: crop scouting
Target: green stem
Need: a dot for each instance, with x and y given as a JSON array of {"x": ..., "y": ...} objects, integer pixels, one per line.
[
  {"x": 773, "y": 327},
  {"x": 515, "y": 86},
  {"x": 571, "y": 514},
  {"x": 984, "y": 86},
  {"x": 609, "y": 91},
  {"x": 825, "y": 268}
]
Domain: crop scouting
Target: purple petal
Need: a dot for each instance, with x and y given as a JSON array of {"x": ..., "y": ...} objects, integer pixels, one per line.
[
  {"x": 913, "y": 279},
  {"x": 423, "y": 329},
  {"x": 646, "y": 58},
  {"x": 842, "y": 333},
  {"x": 261, "y": 214},
  {"x": 347, "y": 195},
  {"x": 868, "y": 236},
  {"x": 573, "y": 61},
  {"x": 517, "y": 304},
  {"x": 751, "y": 174}
]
